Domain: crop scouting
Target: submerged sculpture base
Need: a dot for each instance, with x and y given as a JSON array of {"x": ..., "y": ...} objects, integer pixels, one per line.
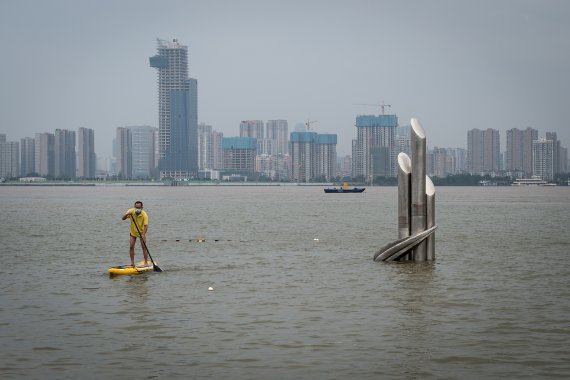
[{"x": 397, "y": 249}]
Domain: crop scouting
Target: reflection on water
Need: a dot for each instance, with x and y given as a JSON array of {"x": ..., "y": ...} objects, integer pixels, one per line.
[{"x": 296, "y": 293}]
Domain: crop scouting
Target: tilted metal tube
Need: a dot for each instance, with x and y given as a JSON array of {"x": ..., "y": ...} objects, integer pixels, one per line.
[
  {"x": 430, "y": 218},
  {"x": 404, "y": 170},
  {"x": 404, "y": 196},
  {"x": 396, "y": 249},
  {"x": 418, "y": 198}
]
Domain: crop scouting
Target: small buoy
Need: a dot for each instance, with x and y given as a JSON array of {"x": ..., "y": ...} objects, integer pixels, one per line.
[
  {"x": 316, "y": 239},
  {"x": 210, "y": 288}
]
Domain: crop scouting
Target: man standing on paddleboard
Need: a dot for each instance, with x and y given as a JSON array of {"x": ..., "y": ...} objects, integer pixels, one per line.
[{"x": 140, "y": 217}]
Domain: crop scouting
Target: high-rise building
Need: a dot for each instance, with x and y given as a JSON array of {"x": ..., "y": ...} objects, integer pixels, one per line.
[
  {"x": 177, "y": 111},
  {"x": 563, "y": 160},
  {"x": 123, "y": 153},
  {"x": 86, "y": 159},
  {"x": 278, "y": 131},
  {"x": 345, "y": 166},
  {"x": 265, "y": 146},
  {"x": 274, "y": 167},
  {"x": 326, "y": 156},
  {"x": 45, "y": 154},
  {"x": 459, "y": 160},
  {"x": 205, "y": 158},
  {"x": 440, "y": 162},
  {"x": 263, "y": 165},
  {"x": 374, "y": 150},
  {"x": 9, "y": 158},
  {"x": 251, "y": 128},
  {"x": 483, "y": 151},
  {"x": 280, "y": 164},
  {"x": 403, "y": 140},
  {"x": 156, "y": 150},
  {"x": 65, "y": 158},
  {"x": 239, "y": 155},
  {"x": 105, "y": 166},
  {"x": 519, "y": 150},
  {"x": 254, "y": 129},
  {"x": 556, "y": 148},
  {"x": 542, "y": 159},
  {"x": 142, "y": 150},
  {"x": 302, "y": 155},
  {"x": 209, "y": 148},
  {"x": 217, "y": 152},
  {"x": 27, "y": 156},
  {"x": 313, "y": 156}
]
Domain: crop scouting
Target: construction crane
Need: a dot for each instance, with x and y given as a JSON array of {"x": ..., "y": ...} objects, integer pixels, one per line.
[
  {"x": 308, "y": 124},
  {"x": 382, "y": 106}
]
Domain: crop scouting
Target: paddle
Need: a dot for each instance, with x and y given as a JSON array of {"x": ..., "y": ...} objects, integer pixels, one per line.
[{"x": 155, "y": 267}]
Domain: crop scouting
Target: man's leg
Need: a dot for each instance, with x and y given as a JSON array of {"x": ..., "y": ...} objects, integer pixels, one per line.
[
  {"x": 145, "y": 253},
  {"x": 132, "y": 249}
]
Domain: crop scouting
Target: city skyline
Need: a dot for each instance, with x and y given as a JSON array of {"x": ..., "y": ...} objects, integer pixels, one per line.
[
  {"x": 136, "y": 153},
  {"x": 298, "y": 61}
]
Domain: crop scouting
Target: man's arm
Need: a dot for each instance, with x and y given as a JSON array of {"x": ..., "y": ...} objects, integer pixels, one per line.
[
  {"x": 145, "y": 225},
  {"x": 145, "y": 222},
  {"x": 127, "y": 214}
]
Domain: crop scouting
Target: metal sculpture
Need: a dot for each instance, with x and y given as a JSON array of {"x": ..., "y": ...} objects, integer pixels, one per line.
[{"x": 416, "y": 206}]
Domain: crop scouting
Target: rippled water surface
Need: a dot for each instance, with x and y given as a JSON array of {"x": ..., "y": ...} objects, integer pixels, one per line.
[{"x": 296, "y": 292}]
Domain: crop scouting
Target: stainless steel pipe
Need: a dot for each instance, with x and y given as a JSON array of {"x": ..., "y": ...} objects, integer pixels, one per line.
[
  {"x": 430, "y": 218},
  {"x": 404, "y": 197},
  {"x": 404, "y": 177},
  {"x": 418, "y": 204},
  {"x": 397, "y": 249}
]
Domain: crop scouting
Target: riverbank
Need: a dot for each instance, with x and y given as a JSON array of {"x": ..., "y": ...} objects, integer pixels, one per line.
[{"x": 151, "y": 183}]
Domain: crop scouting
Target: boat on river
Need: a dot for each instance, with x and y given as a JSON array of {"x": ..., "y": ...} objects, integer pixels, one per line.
[
  {"x": 534, "y": 181},
  {"x": 345, "y": 189}
]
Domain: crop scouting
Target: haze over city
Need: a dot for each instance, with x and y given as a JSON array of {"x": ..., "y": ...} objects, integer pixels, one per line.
[{"x": 455, "y": 65}]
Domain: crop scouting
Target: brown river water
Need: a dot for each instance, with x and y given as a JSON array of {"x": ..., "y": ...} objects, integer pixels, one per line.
[{"x": 296, "y": 294}]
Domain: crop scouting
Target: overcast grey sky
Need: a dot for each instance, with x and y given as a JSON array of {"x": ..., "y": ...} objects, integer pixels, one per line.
[{"x": 455, "y": 65}]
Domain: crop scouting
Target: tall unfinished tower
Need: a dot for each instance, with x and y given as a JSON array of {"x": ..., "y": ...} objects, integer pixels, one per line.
[{"x": 177, "y": 110}]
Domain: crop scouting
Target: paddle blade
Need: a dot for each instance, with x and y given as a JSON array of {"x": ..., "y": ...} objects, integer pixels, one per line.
[{"x": 156, "y": 268}]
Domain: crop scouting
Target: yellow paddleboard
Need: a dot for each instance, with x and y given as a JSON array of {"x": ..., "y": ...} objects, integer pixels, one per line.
[{"x": 137, "y": 269}]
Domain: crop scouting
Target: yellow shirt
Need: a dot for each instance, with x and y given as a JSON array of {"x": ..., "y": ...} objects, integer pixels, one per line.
[{"x": 141, "y": 220}]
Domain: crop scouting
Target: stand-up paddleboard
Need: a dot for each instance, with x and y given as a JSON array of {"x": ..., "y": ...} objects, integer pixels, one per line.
[{"x": 139, "y": 268}]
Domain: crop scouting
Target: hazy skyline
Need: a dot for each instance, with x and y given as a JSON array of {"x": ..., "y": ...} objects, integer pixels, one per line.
[{"x": 455, "y": 65}]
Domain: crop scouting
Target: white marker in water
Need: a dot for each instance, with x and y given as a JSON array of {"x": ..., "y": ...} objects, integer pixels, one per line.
[
  {"x": 316, "y": 239},
  {"x": 210, "y": 288}
]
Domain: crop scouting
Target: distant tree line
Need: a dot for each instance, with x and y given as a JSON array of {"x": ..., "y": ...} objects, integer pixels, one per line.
[{"x": 561, "y": 178}]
